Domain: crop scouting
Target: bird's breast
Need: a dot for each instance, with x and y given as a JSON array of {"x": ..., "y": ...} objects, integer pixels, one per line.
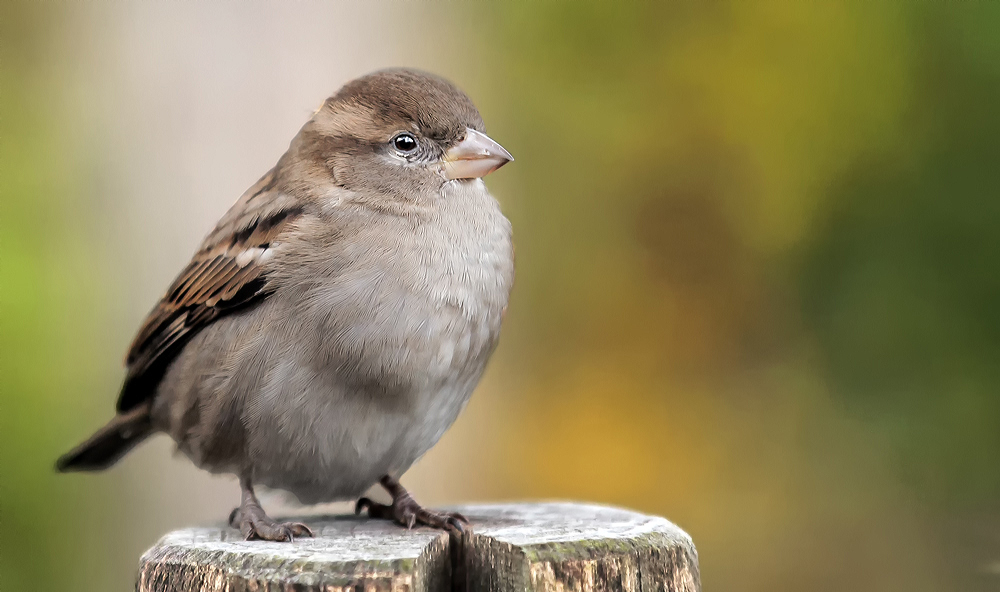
[
  {"x": 464, "y": 261},
  {"x": 408, "y": 301}
]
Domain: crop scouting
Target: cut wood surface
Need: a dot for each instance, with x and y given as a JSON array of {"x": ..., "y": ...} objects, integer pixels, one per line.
[{"x": 541, "y": 546}]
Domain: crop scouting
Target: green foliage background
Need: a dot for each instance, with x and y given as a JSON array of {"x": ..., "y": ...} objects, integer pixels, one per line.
[{"x": 758, "y": 286}]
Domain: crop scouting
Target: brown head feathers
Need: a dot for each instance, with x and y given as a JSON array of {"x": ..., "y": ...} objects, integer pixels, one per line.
[{"x": 438, "y": 109}]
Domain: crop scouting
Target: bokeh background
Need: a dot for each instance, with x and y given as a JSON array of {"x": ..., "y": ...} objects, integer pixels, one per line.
[{"x": 758, "y": 265}]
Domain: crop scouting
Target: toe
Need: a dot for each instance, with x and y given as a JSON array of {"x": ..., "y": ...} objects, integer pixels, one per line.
[
  {"x": 362, "y": 505},
  {"x": 247, "y": 530},
  {"x": 451, "y": 521},
  {"x": 457, "y": 524},
  {"x": 375, "y": 509},
  {"x": 266, "y": 530},
  {"x": 298, "y": 529},
  {"x": 235, "y": 518},
  {"x": 428, "y": 518},
  {"x": 272, "y": 532}
]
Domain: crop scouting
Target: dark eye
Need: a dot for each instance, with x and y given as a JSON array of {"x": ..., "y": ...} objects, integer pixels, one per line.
[{"x": 405, "y": 143}]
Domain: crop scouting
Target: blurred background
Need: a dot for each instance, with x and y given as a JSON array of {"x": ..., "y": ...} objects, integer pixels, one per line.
[{"x": 758, "y": 266}]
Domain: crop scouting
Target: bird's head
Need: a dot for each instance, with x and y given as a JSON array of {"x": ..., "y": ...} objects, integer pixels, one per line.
[{"x": 400, "y": 132}]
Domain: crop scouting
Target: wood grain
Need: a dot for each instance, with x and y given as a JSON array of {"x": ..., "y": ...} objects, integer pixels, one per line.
[
  {"x": 565, "y": 546},
  {"x": 551, "y": 546}
]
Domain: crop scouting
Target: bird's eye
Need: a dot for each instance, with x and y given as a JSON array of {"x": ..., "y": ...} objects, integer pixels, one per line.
[{"x": 405, "y": 143}]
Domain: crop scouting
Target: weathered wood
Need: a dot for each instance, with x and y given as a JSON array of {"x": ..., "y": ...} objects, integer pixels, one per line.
[
  {"x": 551, "y": 546},
  {"x": 564, "y": 546},
  {"x": 346, "y": 552}
]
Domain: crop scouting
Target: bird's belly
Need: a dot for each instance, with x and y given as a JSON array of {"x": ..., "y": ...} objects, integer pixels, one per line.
[
  {"x": 342, "y": 433},
  {"x": 356, "y": 453}
]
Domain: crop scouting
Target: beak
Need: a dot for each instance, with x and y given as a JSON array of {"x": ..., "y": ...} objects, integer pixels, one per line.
[{"x": 477, "y": 155}]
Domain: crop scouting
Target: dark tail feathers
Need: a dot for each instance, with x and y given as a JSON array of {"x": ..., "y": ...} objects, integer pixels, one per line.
[{"x": 110, "y": 443}]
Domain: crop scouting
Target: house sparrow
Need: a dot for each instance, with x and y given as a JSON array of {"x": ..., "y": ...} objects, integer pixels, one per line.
[{"x": 335, "y": 322}]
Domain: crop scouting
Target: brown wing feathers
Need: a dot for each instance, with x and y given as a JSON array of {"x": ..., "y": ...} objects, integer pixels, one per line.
[{"x": 227, "y": 273}]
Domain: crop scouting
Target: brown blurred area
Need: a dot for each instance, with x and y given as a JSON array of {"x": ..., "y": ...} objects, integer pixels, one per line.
[{"x": 757, "y": 257}]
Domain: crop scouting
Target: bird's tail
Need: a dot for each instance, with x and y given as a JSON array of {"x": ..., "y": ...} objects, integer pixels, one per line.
[{"x": 110, "y": 443}]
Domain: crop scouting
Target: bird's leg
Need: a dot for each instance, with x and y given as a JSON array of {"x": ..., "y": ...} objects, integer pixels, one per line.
[
  {"x": 405, "y": 510},
  {"x": 253, "y": 523}
]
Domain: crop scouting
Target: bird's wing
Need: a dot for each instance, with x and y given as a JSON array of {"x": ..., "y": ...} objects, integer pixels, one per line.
[{"x": 226, "y": 274}]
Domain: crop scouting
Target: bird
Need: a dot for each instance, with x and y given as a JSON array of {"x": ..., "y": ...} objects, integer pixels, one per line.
[{"x": 337, "y": 319}]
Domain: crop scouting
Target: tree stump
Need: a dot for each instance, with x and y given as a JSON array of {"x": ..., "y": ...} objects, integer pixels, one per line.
[{"x": 544, "y": 546}]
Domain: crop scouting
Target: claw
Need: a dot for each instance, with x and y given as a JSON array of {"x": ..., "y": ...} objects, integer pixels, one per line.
[
  {"x": 299, "y": 529},
  {"x": 256, "y": 525},
  {"x": 406, "y": 512},
  {"x": 249, "y": 518}
]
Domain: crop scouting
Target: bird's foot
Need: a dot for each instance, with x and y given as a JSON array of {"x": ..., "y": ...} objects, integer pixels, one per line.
[
  {"x": 405, "y": 511},
  {"x": 254, "y": 524},
  {"x": 410, "y": 514}
]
